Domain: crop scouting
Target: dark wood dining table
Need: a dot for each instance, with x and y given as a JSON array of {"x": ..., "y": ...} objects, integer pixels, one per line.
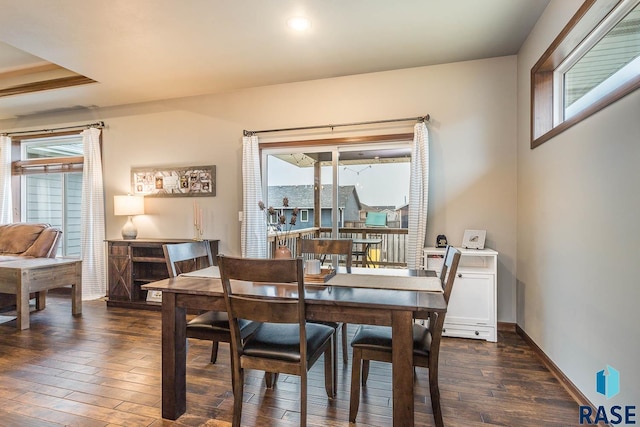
[{"x": 354, "y": 304}]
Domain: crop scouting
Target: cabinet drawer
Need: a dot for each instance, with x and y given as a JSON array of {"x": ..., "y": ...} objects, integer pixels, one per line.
[{"x": 470, "y": 331}]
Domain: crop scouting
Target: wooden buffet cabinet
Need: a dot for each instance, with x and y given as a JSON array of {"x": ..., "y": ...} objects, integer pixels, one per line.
[{"x": 133, "y": 263}]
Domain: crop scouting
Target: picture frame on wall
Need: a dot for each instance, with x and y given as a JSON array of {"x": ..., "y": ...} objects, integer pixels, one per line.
[{"x": 187, "y": 181}]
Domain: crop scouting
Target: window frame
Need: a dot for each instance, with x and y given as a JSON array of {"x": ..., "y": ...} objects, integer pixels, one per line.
[
  {"x": 335, "y": 146},
  {"x": 545, "y": 120},
  {"x": 22, "y": 168}
]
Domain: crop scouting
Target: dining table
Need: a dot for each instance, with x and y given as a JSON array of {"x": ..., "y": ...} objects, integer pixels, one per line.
[{"x": 374, "y": 296}]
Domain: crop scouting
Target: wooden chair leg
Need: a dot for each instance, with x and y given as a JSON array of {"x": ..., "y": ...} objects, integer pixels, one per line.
[
  {"x": 334, "y": 344},
  {"x": 329, "y": 371},
  {"x": 270, "y": 379},
  {"x": 345, "y": 348},
  {"x": 303, "y": 399},
  {"x": 233, "y": 366},
  {"x": 214, "y": 352},
  {"x": 238, "y": 391},
  {"x": 354, "y": 401},
  {"x": 365, "y": 371},
  {"x": 434, "y": 390}
]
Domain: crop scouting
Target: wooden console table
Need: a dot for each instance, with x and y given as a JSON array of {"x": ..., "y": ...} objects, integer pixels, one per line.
[
  {"x": 22, "y": 277},
  {"x": 133, "y": 263}
]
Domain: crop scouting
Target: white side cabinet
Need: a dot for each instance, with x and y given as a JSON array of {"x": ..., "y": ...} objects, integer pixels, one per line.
[{"x": 472, "y": 305}]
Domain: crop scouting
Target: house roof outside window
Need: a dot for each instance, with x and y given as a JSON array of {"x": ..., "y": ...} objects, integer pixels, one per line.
[{"x": 301, "y": 196}]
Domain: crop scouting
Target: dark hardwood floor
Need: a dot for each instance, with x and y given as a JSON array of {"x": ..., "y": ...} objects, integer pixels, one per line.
[{"x": 103, "y": 369}]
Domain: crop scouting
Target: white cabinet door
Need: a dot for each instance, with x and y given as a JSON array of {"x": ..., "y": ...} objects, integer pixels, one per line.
[
  {"x": 472, "y": 306},
  {"x": 472, "y": 300}
]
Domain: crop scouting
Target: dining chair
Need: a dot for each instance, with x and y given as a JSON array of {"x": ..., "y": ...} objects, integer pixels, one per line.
[
  {"x": 283, "y": 342},
  {"x": 210, "y": 325},
  {"x": 374, "y": 343},
  {"x": 186, "y": 257},
  {"x": 323, "y": 248}
]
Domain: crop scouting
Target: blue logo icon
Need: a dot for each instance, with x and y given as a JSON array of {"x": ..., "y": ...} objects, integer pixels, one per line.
[{"x": 608, "y": 384}]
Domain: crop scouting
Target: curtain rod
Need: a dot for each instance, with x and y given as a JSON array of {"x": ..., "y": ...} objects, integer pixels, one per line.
[
  {"x": 99, "y": 125},
  {"x": 425, "y": 118}
]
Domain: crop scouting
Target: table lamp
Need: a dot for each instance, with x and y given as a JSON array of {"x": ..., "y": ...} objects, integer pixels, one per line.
[{"x": 128, "y": 205}]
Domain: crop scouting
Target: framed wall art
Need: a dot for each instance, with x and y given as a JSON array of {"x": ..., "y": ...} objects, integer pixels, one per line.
[
  {"x": 187, "y": 181},
  {"x": 474, "y": 239}
]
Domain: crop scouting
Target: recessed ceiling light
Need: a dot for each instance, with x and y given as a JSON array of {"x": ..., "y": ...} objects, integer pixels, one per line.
[{"x": 299, "y": 23}]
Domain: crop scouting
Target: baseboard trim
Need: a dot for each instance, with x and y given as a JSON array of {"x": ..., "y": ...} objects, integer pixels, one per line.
[
  {"x": 573, "y": 391},
  {"x": 506, "y": 327}
]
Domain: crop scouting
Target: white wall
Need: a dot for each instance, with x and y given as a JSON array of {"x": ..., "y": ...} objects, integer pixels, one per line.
[
  {"x": 473, "y": 151},
  {"x": 578, "y": 233}
]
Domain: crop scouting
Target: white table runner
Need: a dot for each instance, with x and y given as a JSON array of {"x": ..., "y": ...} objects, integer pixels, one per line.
[
  {"x": 406, "y": 283},
  {"x": 211, "y": 272},
  {"x": 403, "y": 283}
]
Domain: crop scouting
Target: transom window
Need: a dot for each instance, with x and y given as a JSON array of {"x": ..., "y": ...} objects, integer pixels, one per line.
[
  {"x": 593, "y": 62},
  {"x": 609, "y": 58}
]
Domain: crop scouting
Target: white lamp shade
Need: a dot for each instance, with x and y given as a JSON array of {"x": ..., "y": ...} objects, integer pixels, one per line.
[{"x": 128, "y": 205}]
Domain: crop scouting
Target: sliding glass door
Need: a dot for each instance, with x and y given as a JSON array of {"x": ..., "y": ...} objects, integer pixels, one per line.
[
  {"x": 349, "y": 191},
  {"x": 302, "y": 180}
]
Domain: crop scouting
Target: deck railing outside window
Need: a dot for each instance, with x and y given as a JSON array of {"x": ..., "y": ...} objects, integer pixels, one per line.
[{"x": 391, "y": 252}]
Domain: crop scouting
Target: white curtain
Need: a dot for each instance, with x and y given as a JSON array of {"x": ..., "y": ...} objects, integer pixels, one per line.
[
  {"x": 418, "y": 195},
  {"x": 6, "y": 208},
  {"x": 254, "y": 226},
  {"x": 94, "y": 283}
]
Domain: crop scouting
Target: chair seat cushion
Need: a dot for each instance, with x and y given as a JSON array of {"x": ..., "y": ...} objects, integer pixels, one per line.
[
  {"x": 281, "y": 341},
  {"x": 210, "y": 320},
  {"x": 218, "y": 321},
  {"x": 334, "y": 325},
  {"x": 379, "y": 338}
]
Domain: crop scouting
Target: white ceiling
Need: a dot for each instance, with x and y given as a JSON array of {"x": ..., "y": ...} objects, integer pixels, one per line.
[{"x": 143, "y": 50}]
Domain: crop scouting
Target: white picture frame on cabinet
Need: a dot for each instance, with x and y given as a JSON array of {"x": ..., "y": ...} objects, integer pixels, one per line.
[
  {"x": 474, "y": 239},
  {"x": 154, "y": 296}
]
